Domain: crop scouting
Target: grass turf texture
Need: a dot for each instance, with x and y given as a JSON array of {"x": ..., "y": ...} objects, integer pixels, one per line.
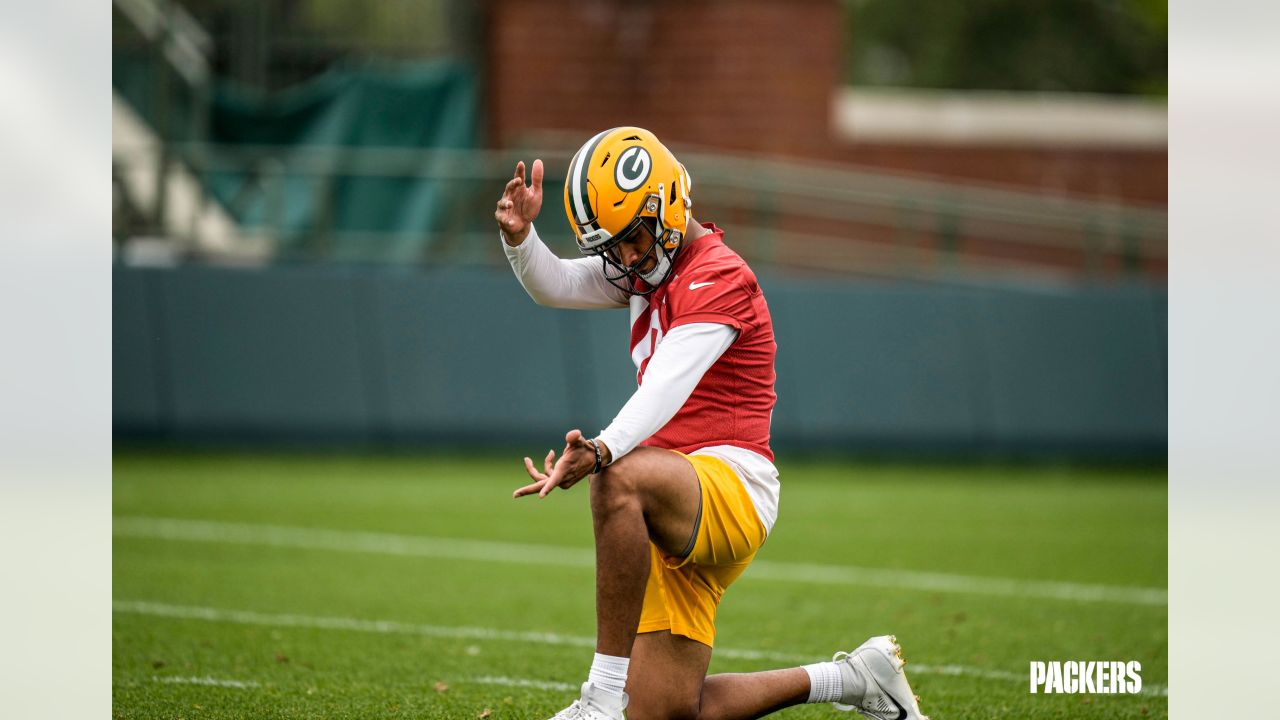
[{"x": 1100, "y": 527}]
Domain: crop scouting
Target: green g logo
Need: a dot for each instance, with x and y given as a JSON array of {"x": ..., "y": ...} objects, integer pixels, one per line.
[{"x": 632, "y": 168}]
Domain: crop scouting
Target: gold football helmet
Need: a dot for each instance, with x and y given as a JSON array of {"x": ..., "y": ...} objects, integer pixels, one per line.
[{"x": 620, "y": 180}]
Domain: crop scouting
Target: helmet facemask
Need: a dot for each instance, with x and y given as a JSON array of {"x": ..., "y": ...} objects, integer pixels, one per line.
[{"x": 625, "y": 276}]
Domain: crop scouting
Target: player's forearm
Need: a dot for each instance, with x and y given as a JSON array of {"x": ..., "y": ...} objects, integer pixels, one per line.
[
  {"x": 554, "y": 282},
  {"x": 674, "y": 370}
]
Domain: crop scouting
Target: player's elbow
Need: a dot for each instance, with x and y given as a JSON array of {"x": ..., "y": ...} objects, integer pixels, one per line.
[
  {"x": 542, "y": 300},
  {"x": 536, "y": 295},
  {"x": 550, "y": 298}
]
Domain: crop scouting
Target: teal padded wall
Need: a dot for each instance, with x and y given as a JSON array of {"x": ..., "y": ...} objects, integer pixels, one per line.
[
  {"x": 137, "y": 355},
  {"x": 399, "y": 356},
  {"x": 878, "y": 365},
  {"x": 460, "y": 355},
  {"x": 272, "y": 353},
  {"x": 604, "y": 362},
  {"x": 1073, "y": 368}
]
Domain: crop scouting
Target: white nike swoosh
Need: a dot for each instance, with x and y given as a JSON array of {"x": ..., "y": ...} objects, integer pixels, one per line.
[{"x": 696, "y": 285}]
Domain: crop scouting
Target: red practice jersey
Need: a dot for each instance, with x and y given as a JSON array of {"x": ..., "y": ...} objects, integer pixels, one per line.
[{"x": 733, "y": 403}]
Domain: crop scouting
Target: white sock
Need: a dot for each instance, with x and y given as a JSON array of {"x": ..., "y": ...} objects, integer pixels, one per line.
[
  {"x": 825, "y": 684},
  {"x": 609, "y": 673}
]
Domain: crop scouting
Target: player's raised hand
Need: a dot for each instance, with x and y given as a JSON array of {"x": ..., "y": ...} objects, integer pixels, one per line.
[
  {"x": 575, "y": 463},
  {"x": 519, "y": 204}
]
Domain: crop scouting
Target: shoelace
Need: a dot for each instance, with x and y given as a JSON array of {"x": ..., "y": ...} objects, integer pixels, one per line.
[
  {"x": 571, "y": 712},
  {"x": 578, "y": 710},
  {"x": 842, "y": 655}
]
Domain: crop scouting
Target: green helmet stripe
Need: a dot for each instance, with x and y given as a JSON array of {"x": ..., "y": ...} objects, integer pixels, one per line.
[{"x": 583, "y": 211}]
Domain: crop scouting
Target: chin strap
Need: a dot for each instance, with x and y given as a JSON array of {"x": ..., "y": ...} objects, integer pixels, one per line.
[{"x": 660, "y": 271}]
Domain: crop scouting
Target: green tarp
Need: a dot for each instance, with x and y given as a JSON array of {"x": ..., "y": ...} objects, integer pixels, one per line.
[{"x": 274, "y": 153}]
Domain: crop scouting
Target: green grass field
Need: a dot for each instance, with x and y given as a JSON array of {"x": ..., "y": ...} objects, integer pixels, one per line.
[{"x": 253, "y": 586}]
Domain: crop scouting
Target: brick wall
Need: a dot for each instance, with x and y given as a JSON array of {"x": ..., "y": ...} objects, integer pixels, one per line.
[
  {"x": 743, "y": 75},
  {"x": 751, "y": 75}
]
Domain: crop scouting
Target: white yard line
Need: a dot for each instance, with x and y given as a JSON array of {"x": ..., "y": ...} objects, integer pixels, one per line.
[
  {"x": 206, "y": 680},
  {"x": 521, "y": 682},
  {"x": 524, "y": 554},
  {"x": 381, "y": 627},
  {"x": 483, "y": 680},
  {"x": 391, "y": 627}
]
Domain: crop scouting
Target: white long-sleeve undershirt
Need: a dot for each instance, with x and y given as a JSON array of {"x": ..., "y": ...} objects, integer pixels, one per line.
[
  {"x": 676, "y": 367},
  {"x": 555, "y": 282}
]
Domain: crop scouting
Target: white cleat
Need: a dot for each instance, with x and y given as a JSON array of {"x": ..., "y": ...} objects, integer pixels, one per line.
[
  {"x": 595, "y": 704},
  {"x": 878, "y": 664}
]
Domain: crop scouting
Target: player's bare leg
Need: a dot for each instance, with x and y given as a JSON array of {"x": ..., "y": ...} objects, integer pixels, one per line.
[
  {"x": 653, "y": 494},
  {"x": 753, "y": 695},
  {"x": 650, "y": 494},
  {"x": 667, "y": 680}
]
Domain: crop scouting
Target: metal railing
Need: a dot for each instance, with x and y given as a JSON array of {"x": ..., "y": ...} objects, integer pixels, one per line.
[
  {"x": 179, "y": 48},
  {"x": 786, "y": 215}
]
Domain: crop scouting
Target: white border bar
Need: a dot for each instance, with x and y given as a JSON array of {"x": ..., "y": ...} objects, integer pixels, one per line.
[{"x": 903, "y": 115}]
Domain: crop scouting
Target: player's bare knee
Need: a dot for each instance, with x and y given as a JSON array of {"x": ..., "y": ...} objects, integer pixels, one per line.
[{"x": 613, "y": 490}]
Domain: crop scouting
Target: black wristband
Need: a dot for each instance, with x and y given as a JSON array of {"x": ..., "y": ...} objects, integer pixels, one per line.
[{"x": 599, "y": 458}]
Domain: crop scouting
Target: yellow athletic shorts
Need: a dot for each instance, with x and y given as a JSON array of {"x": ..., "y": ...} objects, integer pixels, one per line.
[{"x": 682, "y": 594}]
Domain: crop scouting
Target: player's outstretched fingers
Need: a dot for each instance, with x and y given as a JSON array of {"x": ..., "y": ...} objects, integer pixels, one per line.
[
  {"x": 557, "y": 475},
  {"x": 527, "y": 490},
  {"x": 536, "y": 485},
  {"x": 533, "y": 471}
]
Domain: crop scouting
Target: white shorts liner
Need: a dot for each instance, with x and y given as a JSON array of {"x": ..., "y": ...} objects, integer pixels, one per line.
[{"x": 758, "y": 476}]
